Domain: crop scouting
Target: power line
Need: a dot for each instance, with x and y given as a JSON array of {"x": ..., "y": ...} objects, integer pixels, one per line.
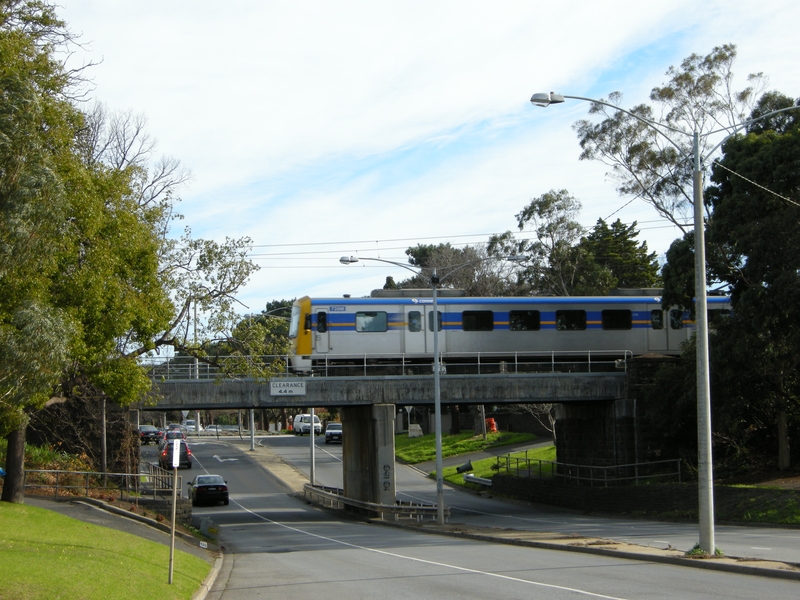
[{"x": 520, "y": 235}]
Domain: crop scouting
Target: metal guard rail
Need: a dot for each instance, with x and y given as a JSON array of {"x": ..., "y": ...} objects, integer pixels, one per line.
[
  {"x": 593, "y": 474},
  {"x": 333, "y": 498}
]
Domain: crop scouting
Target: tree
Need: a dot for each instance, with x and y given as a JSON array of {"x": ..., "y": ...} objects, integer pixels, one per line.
[
  {"x": 755, "y": 229},
  {"x": 698, "y": 96},
  {"x": 89, "y": 278},
  {"x": 469, "y": 268},
  {"x": 553, "y": 256},
  {"x": 36, "y": 125},
  {"x": 615, "y": 248},
  {"x": 752, "y": 237},
  {"x": 566, "y": 260}
]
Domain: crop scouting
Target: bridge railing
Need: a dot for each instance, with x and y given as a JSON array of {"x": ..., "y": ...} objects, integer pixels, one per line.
[
  {"x": 365, "y": 365},
  {"x": 182, "y": 368},
  {"x": 592, "y": 475},
  {"x": 333, "y": 498},
  {"x": 476, "y": 363}
]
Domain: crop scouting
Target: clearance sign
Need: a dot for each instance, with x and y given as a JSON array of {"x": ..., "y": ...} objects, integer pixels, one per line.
[{"x": 287, "y": 388}]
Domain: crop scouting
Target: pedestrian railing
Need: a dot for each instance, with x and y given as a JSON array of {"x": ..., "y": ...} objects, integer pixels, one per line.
[
  {"x": 152, "y": 480},
  {"x": 333, "y": 498},
  {"x": 592, "y": 475}
]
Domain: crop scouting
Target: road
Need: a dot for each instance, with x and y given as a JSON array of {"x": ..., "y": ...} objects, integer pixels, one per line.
[
  {"x": 279, "y": 547},
  {"x": 767, "y": 543}
]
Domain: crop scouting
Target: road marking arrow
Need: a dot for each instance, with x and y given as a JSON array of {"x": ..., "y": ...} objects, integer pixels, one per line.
[{"x": 224, "y": 459}]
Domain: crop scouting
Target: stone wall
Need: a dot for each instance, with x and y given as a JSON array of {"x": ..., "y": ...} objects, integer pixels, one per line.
[{"x": 163, "y": 507}]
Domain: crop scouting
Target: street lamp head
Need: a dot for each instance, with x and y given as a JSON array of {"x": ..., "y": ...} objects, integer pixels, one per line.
[
  {"x": 546, "y": 99},
  {"x": 346, "y": 260}
]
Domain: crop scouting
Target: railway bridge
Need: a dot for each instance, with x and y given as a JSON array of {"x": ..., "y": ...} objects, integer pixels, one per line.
[{"x": 595, "y": 411}]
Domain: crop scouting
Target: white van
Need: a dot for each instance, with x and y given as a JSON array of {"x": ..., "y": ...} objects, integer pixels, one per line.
[
  {"x": 301, "y": 425},
  {"x": 191, "y": 426}
]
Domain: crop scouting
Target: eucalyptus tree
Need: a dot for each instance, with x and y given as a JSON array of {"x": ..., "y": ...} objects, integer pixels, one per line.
[
  {"x": 469, "y": 268},
  {"x": 699, "y": 96}
]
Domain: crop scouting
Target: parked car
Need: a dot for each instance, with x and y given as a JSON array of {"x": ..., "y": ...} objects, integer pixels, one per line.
[
  {"x": 214, "y": 429},
  {"x": 167, "y": 449},
  {"x": 208, "y": 489},
  {"x": 333, "y": 433},
  {"x": 149, "y": 434}
]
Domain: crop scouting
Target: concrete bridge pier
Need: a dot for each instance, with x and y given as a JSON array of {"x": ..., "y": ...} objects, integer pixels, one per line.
[
  {"x": 596, "y": 433},
  {"x": 368, "y": 453}
]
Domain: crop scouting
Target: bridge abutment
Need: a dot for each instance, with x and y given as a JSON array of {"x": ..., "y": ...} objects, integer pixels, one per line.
[
  {"x": 368, "y": 453},
  {"x": 596, "y": 433}
]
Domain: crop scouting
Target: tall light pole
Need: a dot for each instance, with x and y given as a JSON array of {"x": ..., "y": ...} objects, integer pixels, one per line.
[
  {"x": 437, "y": 394},
  {"x": 705, "y": 483}
]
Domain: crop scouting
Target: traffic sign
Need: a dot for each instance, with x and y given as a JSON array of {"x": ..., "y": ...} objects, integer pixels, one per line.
[{"x": 287, "y": 388}]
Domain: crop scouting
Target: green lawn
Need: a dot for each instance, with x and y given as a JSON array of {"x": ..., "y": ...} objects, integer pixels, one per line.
[
  {"x": 423, "y": 449},
  {"x": 45, "y": 555},
  {"x": 486, "y": 467}
]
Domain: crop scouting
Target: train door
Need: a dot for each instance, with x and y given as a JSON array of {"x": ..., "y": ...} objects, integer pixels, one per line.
[
  {"x": 430, "y": 322},
  {"x": 657, "y": 329},
  {"x": 414, "y": 335},
  {"x": 321, "y": 332}
]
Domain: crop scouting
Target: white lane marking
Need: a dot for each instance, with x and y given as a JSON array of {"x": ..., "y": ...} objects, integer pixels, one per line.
[
  {"x": 430, "y": 562},
  {"x": 757, "y": 548},
  {"x": 224, "y": 459}
]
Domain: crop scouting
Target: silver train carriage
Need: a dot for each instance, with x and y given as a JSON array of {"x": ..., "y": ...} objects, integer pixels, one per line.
[{"x": 330, "y": 332}]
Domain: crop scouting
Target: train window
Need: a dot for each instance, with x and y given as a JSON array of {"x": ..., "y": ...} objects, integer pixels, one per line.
[
  {"x": 657, "y": 319},
  {"x": 430, "y": 320},
  {"x": 676, "y": 318},
  {"x": 616, "y": 319},
  {"x": 371, "y": 321},
  {"x": 414, "y": 321},
  {"x": 524, "y": 320},
  {"x": 294, "y": 324},
  {"x": 570, "y": 320},
  {"x": 322, "y": 322},
  {"x": 477, "y": 320}
]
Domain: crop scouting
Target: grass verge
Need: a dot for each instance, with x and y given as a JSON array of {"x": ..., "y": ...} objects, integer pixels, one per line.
[
  {"x": 486, "y": 467},
  {"x": 46, "y": 555},
  {"x": 423, "y": 449}
]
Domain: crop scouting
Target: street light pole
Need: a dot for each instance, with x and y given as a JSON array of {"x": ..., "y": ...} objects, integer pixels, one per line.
[
  {"x": 437, "y": 390},
  {"x": 705, "y": 485},
  {"x": 437, "y": 403}
]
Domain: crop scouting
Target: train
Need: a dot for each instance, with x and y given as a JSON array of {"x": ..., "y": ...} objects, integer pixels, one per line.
[{"x": 396, "y": 327}]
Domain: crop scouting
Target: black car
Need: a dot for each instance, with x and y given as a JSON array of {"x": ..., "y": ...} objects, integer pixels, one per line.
[
  {"x": 333, "y": 433},
  {"x": 167, "y": 450},
  {"x": 149, "y": 434},
  {"x": 209, "y": 489}
]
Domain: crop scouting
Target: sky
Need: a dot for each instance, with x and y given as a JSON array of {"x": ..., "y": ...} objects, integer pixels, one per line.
[{"x": 361, "y": 128}]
